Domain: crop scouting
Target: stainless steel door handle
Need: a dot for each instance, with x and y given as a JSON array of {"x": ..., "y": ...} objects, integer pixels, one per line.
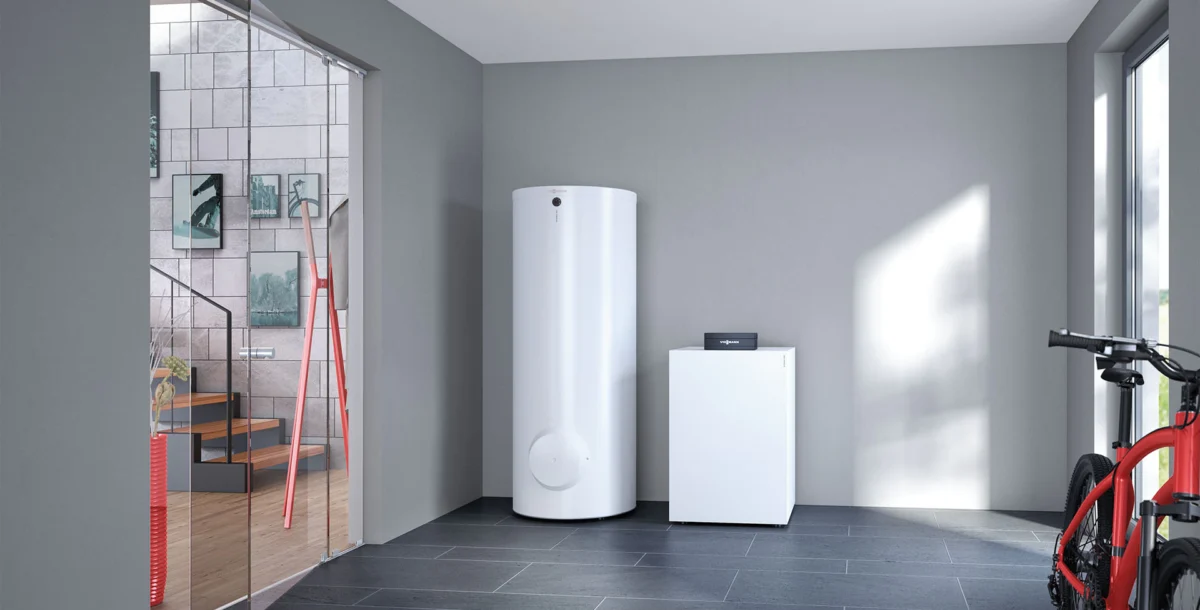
[{"x": 257, "y": 353}]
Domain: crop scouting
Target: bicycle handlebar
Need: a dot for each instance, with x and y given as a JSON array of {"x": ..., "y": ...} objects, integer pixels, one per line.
[
  {"x": 1065, "y": 338},
  {"x": 1132, "y": 349}
]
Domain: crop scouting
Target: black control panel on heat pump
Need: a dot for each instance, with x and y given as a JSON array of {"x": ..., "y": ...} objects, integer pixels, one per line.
[{"x": 731, "y": 341}]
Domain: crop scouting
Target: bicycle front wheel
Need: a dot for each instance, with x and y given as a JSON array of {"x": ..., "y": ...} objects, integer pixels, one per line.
[{"x": 1177, "y": 576}]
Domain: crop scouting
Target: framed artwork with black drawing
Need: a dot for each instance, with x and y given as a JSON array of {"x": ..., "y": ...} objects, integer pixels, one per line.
[{"x": 196, "y": 211}]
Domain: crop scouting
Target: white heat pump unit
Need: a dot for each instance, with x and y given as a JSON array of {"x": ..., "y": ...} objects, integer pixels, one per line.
[{"x": 574, "y": 352}]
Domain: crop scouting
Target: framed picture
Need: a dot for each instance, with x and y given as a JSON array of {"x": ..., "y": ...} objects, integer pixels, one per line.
[
  {"x": 264, "y": 196},
  {"x": 196, "y": 211},
  {"x": 274, "y": 289},
  {"x": 154, "y": 124},
  {"x": 304, "y": 189}
]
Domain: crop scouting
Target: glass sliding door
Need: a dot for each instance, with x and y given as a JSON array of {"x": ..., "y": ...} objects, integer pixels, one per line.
[
  {"x": 199, "y": 58},
  {"x": 220, "y": 538},
  {"x": 172, "y": 332},
  {"x": 297, "y": 485},
  {"x": 1148, "y": 213},
  {"x": 338, "y": 265},
  {"x": 249, "y": 181}
]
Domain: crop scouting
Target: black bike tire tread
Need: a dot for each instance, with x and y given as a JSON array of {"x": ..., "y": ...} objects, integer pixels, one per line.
[
  {"x": 1189, "y": 548},
  {"x": 1098, "y": 466}
]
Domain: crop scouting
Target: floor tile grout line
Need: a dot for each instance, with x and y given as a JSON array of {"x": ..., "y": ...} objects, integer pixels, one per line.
[
  {"x": 847, "y": 566},
  {"x": 573, "y": 532},
  {"x": 788, "y": 535},
  {"x": 529, "y": 526},
  {"x": 380, "y": 589},
  {"x": 523, "y": 593},
  {"x": 752, "y": 540},
  {"x": 504, "y": 523},
  {"x": 730, "y": 589},
  {"x": 452, "y": 591},
  {"x": 963, "y": 591},
  {"x": 369, "y": 596},
  {"x": 446, "y": 551},
  {"x": 513, "y": 576},
  {"x": 673, "y": 567},
  {"x": 600, "y": 604},
  {"x": 517, "y": 548},
  {"x": 931, "y": 563},
  {"x": 635, "y": 564},
  {"x": 391, "y": 543},
  {"x": 690, "y": 601}
]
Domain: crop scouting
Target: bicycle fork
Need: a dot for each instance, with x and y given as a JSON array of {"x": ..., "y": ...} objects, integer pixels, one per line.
[
  {"x": 1186, "y": 506},
  {"x": 1149, "y": 517}
]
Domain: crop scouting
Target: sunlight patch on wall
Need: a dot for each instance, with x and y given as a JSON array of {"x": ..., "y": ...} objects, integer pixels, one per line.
[{"x": 921, "y": 356}]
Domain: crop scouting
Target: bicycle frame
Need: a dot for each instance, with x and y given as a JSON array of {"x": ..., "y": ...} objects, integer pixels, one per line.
[{"x": 1126, "y": 548}]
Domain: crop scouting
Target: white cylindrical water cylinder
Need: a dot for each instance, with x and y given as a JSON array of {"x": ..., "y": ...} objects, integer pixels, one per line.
[{"x": 574, "y": 352}]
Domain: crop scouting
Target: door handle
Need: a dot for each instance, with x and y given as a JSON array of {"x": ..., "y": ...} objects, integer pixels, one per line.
[{"x": 257, "y": 353}]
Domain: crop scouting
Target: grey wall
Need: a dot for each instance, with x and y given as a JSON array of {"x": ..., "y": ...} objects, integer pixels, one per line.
[
  {"x": 1185, "y": 180},
  {"x": 1185, "y": 183},
  {"x": 897, "y": 216},
  {"x": 423, "y": 131},
  {"x": 74, "y": 473}
]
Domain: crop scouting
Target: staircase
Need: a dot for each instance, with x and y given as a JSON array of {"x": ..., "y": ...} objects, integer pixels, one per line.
[
  {"x": 209, "y": 438},
  {"x": 199, "y": 435}
]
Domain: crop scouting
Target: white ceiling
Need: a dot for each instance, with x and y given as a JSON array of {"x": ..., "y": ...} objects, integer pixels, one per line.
[{"x": 507, "y": 31}]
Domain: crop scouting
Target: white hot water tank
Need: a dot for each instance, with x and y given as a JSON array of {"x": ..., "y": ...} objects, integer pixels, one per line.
[{"x": 574, "y": 352}]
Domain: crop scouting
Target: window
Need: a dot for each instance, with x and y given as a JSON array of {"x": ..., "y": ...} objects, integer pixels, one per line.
[{"x": 1148, "y": 214}]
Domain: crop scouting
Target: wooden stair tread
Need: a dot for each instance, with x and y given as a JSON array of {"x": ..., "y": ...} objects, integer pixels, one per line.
[
  {"x": 195, "y": 399},
  {"x": 216, "y": 429},
  {"x": 273, "y": 455}
]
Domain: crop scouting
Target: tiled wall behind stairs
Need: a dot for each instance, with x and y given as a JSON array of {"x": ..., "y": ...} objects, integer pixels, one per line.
[{"x": 210, "y": 95}]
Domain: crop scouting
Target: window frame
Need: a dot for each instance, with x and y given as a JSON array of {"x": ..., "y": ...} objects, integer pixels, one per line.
[
  {"x": 1138, "y": 52},
  {"x": 1141, "y": 50}
]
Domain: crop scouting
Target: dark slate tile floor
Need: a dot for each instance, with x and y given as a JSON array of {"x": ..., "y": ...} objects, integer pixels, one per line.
[{"x": 482, "y": 557}]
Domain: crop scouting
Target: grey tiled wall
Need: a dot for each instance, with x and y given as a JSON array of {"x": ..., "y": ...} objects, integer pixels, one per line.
[{"x": 220, "y": 82}]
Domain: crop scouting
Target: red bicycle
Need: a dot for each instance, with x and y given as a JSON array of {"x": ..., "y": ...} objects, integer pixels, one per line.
[{"x": 1098, "y": 559}]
